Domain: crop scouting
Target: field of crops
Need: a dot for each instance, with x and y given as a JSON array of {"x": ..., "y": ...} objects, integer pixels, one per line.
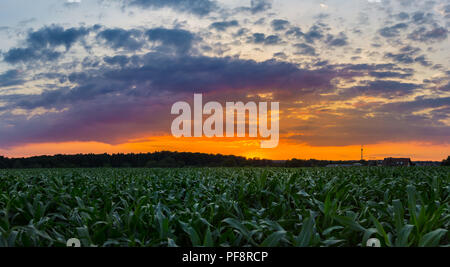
[{"x": 225, "y": 207}]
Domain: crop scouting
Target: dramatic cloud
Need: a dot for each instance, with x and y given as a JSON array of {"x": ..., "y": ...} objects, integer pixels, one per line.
[
  {"x": 197, "y": 7},
  {"x": 181, "y": 40},
  {"x": 279, "y": 24},
  {"x": 117, "y": 60},
  {"x": 314, "y": 33},
  {"x": 402, "y": 16},
  {"x": 422, "y": 18},
  {"x": 121, "y": 39},
  {"x": 16, "y": 55},
  {"x": 446, "y": 11},
  {"x": 54, "y": 36},
  {"x": 295, "y": 31},
  {"x": 305, "y": 49},
  {"x": 387, "y": 89},
  {"x": 404, "y": 58},
  {"x": 10, "y": 78},
  {"x": 408, "y": 55},
  {"x": 393, "y": 31},
  {"x": 261, "y": 38},
  {"x": 340, "y": 40},
  {"x": 152, "y": 76},
  {"x": 224, "y": 25},
  {"x": 367, "y": 130},
  {"x": 376, "y": 72},
  {"x": 40, "y": 44},
  {"x": 257, "y": 6},
  {"x": 389, "y": 74},
  {"x": 429, "y": 36},
  {"x": 260, "y": 5}
]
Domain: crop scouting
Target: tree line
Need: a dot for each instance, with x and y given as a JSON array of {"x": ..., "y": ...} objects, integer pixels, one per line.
[
  {"x": 446, "y": 162},
  {"x": 163, "y": 159}
]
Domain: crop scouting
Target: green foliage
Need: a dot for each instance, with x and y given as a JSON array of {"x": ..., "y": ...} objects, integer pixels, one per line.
[
  {"x": 225, "y": 206},
  {"x": 446, "y": 162}
]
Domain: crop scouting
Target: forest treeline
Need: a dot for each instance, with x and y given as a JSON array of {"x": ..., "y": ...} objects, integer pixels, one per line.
[
  {"x": 446, "y": 162},
  {"x": 164, "y": 159}
]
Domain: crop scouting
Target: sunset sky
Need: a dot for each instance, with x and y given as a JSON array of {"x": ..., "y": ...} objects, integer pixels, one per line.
[{"x": 97, "y": 76}]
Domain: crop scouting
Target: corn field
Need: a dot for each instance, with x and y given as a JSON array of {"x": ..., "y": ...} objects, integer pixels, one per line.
[{"x": 226, "y": 207}]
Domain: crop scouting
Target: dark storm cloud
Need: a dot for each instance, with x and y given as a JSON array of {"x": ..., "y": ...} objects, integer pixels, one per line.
[
  {"x": 197, "y": 7},
  {"x": 160, "y": 72},
  {"x": 40, "y": 44},
  {"x": 101, "y": 102},
  {"x": 180, "y": 40},
  {"x": 11, "y": 78},
  {"x": 224, "y": 25},
  {"x": 393, "y": 31},
  {"x": 106, "y": 98},
  {"x": 187, "y": 74},
  {"x": 279, "y": 24},
  {"x": 121, "y": 39},
  {"x": 261, "y": 38}
]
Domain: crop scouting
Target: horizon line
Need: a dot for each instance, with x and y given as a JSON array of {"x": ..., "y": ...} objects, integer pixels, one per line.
[{"x": 215, "y": 154}]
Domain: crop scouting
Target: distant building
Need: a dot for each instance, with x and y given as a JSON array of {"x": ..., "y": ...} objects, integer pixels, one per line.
[{"x": 397, "y": 162}]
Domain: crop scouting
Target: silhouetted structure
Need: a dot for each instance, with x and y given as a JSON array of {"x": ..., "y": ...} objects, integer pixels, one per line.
[
  {"x": 446, "y": 162},
  {"x": 393, "y": 162},
  {"x": 166, "y": 159}
]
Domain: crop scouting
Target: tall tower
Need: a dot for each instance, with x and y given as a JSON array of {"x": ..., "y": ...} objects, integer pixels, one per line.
[{"x": 362, "y": 152}]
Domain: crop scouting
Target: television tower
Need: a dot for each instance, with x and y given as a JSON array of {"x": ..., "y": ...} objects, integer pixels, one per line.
[{"x": 362, "y": 152}]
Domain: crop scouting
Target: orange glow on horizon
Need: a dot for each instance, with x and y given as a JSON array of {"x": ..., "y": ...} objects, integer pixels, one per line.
[{"x": 249, "y": 148}]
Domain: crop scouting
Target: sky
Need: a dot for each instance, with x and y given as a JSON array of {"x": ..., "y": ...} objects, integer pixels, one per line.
[{"x": 97, "y": 76}]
